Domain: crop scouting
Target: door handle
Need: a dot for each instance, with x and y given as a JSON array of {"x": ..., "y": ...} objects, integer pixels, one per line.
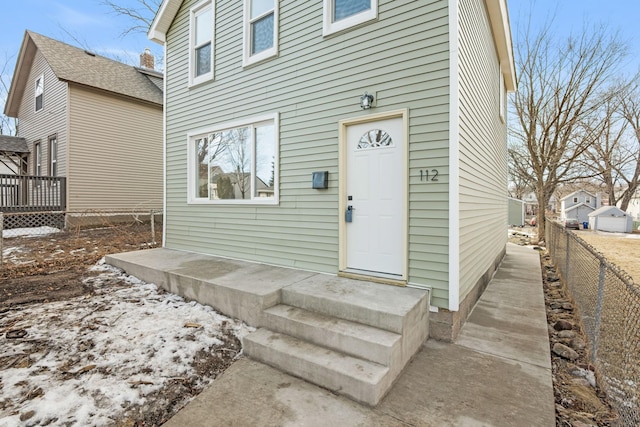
[{"x": 348, "y": 215}]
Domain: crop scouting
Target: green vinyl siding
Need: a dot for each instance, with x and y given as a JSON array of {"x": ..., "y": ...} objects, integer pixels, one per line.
[
  {"x": 315, "y": 81},
  {"x": 483, "y": 164}
]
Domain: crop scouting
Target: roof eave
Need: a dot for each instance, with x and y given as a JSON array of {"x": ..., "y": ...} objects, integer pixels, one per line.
[
  {"x": 18, "y": 82},
  {"x": 163, "y": 19},
  {"x": 499, "y": 17}
]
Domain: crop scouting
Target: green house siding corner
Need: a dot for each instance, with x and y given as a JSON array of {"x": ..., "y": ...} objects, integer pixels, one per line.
[{"x": 483, "y": 156}]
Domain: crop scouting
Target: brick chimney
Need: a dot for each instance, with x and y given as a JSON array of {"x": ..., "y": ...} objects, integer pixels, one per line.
[{"x": 146, "y": 59}]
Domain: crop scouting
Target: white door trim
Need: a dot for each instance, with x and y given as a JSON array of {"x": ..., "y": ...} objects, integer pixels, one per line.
[{"x": 342, "y": 182}]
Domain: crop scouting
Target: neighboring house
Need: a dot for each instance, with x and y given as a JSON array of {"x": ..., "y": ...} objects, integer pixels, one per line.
[
  {"x": 378, "y": 125},
  {"x": 610, "y": 218},
  {"x": 579, "y": 205},
  {"x": 531, "y": 204},
  {"x": 633, "y": 208},
  {"x": 14, "y": 153},
  {"x": 91, "y": 120}
]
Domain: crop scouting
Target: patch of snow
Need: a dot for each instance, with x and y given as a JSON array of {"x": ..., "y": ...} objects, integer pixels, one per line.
[
  {"x": 29, "y": 232},
  {"x": 99, "y": 355}
]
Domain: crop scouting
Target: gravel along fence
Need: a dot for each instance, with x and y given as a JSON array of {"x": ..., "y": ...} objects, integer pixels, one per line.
[{"x": 609, "y": 304}]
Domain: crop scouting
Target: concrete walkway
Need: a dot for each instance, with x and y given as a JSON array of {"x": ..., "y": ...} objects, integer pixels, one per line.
[{"x": 498, "y": 373}]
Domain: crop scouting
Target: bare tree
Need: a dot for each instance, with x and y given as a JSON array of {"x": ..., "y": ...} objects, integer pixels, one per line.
[
  {"x": 608, "y": 157},
  {"x": 8, "y": 125},
  {"x": 559, "y": 85},
  {"x": 630, "y": 105},
  {"x": 140, "y": 16}
]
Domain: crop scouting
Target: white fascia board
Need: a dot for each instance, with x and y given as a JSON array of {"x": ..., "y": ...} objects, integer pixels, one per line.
[{"x": 163, "y": 19}]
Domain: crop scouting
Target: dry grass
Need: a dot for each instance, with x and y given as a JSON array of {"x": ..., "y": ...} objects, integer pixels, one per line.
[{"x": 623, "y": 250}]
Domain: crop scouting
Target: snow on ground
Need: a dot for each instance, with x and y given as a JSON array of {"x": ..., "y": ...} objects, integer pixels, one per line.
[
  {"x": 98, "y": 355},
  {"x": 29, "y": 232}
]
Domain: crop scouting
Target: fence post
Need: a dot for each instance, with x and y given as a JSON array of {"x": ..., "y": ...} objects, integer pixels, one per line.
[
  {"x": 1, "y": 239},
  {"x": 566, "y": 262},
  {"x": 153, "y": 227},
  {"x": 596, "y": 332}
]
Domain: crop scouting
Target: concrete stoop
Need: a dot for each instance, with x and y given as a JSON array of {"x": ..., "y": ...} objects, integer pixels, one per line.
[{"x": 350, "y": 336}]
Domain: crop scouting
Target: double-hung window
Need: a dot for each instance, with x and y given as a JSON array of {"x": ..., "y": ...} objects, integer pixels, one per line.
[
  {"x": 53, "y": 155},
  {"x": 201, "y": 42},
  {"x": 342, "y": 14},
  {"x": 37, "y": 162},
  {"x": 260, "y": 30},
  {"x": 502, "y": 93},
  {"x": 39, "y": 92},
  {"x": 235, "y": 163}
]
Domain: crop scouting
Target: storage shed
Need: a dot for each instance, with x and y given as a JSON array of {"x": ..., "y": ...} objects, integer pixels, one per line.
[{"x": 610, "y": 218}]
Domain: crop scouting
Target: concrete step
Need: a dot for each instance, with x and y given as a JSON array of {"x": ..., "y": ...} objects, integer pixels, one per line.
[
  {"x": 351, "y": 338},
  {"x": 358, "y": 379},
  {"x": 382, "y": 306}
]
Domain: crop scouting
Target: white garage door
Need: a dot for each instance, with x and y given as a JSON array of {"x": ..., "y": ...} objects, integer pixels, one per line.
[{"x": 612, "y": 223}]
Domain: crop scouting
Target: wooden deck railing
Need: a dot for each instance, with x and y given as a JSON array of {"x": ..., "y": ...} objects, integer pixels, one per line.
[{"x": 27, "y": 193}]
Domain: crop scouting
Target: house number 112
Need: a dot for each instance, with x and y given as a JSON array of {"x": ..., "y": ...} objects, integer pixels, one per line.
[{"x": 428, "y": 175}]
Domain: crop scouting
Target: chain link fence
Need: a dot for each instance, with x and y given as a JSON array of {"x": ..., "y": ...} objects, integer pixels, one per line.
[
  {"x": 66, "y": 225},
  {"x": 609, "y": 303}
]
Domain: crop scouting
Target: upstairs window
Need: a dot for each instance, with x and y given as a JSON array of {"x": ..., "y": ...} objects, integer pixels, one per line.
[
  {"x": 575, "y": 200},
  {"x": 260, "y": 30},
  {"x": 342, "y": 14},
  {"x": 201, "y": 38},
  {"x": 503, "y": 97},
  {"x": 235, "y": 163},
  {"x": 39, "y": 92}
]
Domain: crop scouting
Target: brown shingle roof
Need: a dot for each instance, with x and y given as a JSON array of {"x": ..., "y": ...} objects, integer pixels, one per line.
[
  {"x": 13, "y": 144},
  {"x": 76, "y": 65}
]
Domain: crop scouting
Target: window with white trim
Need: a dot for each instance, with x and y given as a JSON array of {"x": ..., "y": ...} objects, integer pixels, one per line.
[
  {"x": 201, "y": 31},
  {"x": 39, "y": 92},
  {"x": 53, "y": 155},
  {"x": 342, "y": 14},
  {"x": 235, "y": 163},
  {"x": 575, "y": 200},
  {"x": 260, "y": 30},
  {"x": 503, "y": 97},
  {"x": 37, "y": 162}
]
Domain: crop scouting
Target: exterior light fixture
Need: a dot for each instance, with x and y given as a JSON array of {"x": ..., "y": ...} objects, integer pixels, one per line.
[{"x": 366, "y": 101}]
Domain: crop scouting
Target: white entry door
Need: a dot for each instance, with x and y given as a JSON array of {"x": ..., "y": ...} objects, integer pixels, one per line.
[{"x": 375, "y": 196}]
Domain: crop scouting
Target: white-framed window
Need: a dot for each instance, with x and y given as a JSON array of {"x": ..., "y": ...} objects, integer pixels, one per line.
[
  {"x": 53, "y": 155},
  {"x": 39, "y": 92},
  {"x": 503, "y": 97},
  {"x": 575, "y": 200},
  {"x": 587, "y": 200},
  {"x": 235, "y": 163},
  {"x": 342, "y": 14},
  {"x": 260, "y": 30},
  {"x": 37, "y": 161},
  {"x": 201, "y": 48}
]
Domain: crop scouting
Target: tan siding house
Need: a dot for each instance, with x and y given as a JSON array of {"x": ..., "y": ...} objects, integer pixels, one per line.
[
  {"x": 399, "y": 102},
  {"x": 93, "y": 120}
]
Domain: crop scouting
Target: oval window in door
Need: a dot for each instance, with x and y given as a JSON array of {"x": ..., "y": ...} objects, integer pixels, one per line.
[{"x": 375, "y": 138}]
